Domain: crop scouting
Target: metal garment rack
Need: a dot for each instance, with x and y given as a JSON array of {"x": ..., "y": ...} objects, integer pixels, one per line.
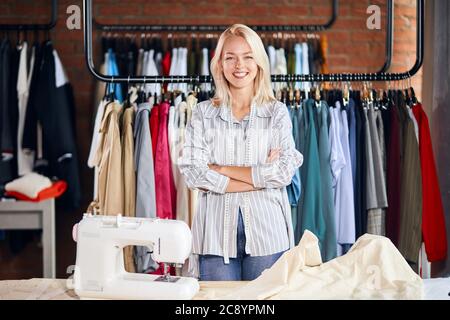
[
  {"x": 389, "y": 36},
  {"x": 46, "y": 26},
  {"x": 340, "y": 77},
  {"x": 291, "y": 28}
]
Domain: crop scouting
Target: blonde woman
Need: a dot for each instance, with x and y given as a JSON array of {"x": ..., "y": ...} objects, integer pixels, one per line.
[{"x": 239, "y": 152}]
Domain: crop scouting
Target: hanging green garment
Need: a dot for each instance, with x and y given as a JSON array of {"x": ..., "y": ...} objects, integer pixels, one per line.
[
  {"x": 329, "y": 245},
  {"x": 311, "y": 217}
]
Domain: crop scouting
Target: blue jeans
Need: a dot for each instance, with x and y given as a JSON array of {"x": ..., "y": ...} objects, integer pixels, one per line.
[{"x": 243, "y": 267}]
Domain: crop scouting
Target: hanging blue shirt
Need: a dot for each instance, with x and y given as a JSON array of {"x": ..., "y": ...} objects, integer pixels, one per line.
[{"x": 113, "y": 70}]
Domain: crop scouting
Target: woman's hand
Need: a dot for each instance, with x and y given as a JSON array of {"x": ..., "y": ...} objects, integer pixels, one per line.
[
  {"x": 215, "y": 167},
  {"x": 274, "y": 154}
]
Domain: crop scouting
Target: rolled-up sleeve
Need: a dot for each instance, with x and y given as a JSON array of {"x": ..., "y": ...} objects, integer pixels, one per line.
[
  {"x": 280, "y": 172},
  {"x": 193, "y": 163}
]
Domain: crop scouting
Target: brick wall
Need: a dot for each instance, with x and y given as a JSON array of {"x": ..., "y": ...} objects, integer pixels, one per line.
[{"x": 351, "y": 46}]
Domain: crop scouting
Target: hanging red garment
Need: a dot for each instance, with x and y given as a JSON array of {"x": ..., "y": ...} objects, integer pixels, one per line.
[
  {"x": 154, "y": 127},
  {"x": 166, "y": 60},
  {"x": 433, "y": 221},
  {"x": 56, "y": 189},
  {"x": 164, "y": 184}
]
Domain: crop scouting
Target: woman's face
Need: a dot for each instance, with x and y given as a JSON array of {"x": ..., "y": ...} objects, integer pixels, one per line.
[{"x": 239, "y": 66}]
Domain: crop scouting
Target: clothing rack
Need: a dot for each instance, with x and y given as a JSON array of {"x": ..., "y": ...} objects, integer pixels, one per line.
[
  {"x": 389, "y": 36},
  {"x": 45, "y": 26},
  {"x": 340, "y": 77},
  {"x": 215, "y": 28}
]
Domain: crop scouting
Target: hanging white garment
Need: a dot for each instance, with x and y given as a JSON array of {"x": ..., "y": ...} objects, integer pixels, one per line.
[
  {"x": 183, "y": 68},
  {"x": 60, "y": 74},
  {"x": 25, "y": 158},
  {"x": 272, "y": 58},
  {"x": 173, "y": 68},
  {"x": 280, "y": 68},
  {"x": 151, "y": 70},
  {"x": 344, "y": 196},
  {"x": 205, "y": 69},
  {"x": 182, "y": 189},
  {"x": 298, "y": 63},
  {"x": 191, "y": 102},
  {"x": 305, "y": 65}
]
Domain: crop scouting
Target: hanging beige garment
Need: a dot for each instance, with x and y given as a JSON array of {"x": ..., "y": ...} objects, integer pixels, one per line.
[
  {"x": 129, "y": 177},
  {"x": 129, "y": 173},
  {"x": 109, "y": 162},
  {"x": 372, "y": 269},
  {"x": 191, "y": 102},
  {"x": 183, "y": 208}
]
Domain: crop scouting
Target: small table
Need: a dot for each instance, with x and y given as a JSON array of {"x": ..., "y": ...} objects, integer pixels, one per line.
[{"x": 20, "y": 215}]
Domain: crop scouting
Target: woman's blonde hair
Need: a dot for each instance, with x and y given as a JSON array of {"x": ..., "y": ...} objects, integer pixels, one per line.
[{"x": 262, "y": 85}]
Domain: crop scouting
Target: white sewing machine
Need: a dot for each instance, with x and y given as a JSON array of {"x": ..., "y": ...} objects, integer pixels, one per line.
[{"x": 100, "y": 273}]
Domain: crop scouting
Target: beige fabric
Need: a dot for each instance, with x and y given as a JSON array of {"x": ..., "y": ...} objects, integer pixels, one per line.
[
  {"x": 129, "y": 173},
  {"x": 36, "y": 289},
  {"x": 372, "y": 269},
  {"x": 109, "y": 163},
  {"x": 191, "y": 102},
  {"x": 56, "y": 289},
  {"x": 182, "y": 190},
  {"x": 129, "y": 177}
]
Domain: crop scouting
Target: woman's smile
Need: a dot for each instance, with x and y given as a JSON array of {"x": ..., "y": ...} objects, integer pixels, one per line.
[{"x": 240, "y": 74}]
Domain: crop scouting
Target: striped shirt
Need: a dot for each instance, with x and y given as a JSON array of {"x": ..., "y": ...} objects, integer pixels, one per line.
[{"x": 214, "y": 136}]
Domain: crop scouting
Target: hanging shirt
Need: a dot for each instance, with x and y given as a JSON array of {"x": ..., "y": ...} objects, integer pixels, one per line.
[
  {"x": 53, "y": 107},
  {"x": 433, "y": 221},
  {"x": 151, "y": 70},
  {"x": 154, "y": 127},
  {"x": 128, "y": 171},
  {"x": 317, "y": 213},
  {"x": 191, "y": 103},
  {"x": 272, "y": 58},
  {"x": 113, "y": 70},
  {"x": 145, "y": 181},
  {"x": 143, "y": 157},
  {"x": 298, "y": 63},
  {"x": 376, "y": 198},
  {"x": 165, "y": 187},
  {"x": 393, "y": 170},
  {"x": 173, "y": 68},
  {"x": 410, "y": 236},
  {"x": 25, "y": 159},
  {"x": 182, "y": 212},
  {"x": 96, "y": 136},
  {"x": 214, "y": 136},
  {"x": 183, "y": 68},
  {"x": 344, "y": 204},
  {"x": 129, "y": 177},
  {"x": 305, "y": 65},
  {"x": 205, "y": 69},
  {"x": 280, "y": 68},
  {"x": 109, "y": 162},
  {"x": 328, "y": 228}
]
